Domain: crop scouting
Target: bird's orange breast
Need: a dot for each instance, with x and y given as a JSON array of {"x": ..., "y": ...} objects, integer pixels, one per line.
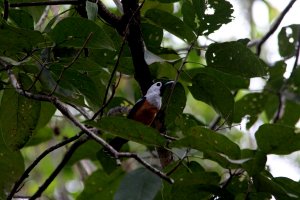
[{"x": 146, "y": 113}]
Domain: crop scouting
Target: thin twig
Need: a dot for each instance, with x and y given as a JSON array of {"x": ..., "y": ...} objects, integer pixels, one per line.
[
  {"x": 37, "y": 160},
  {"x": 61, "y": 165},
  {"x": 6, "y": 9},
  {"x": 44, "y": 3},
  {"x": 274, "y": 27},
  {"x": 105, "y": 103},
  {"x": 280, "y": 108},
  {"x": 72, "y": 62}
]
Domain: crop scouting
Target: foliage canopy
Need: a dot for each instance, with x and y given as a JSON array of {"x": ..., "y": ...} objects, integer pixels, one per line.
[{"x": 65, "y": 71}]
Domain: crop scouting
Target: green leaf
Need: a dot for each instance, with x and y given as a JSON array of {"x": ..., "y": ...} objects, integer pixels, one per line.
[
  {"x": 170, "y": 23},
  {"x": 92, "y": 10},
  {"x": 197, "y": 185},
  {"x": 276, "y": 73},
  {"x": 81, "y": 84},
  {"x": 233, "y": 82},
  {"x": 152, "y": 35},
  {"x": 74, "y": 31},
  {"x": 189, "y": 14},
  {"x": 235, "y": 58},
  {"x": 287, "y": 40},
  {"x": 99, "y": 184},
  {"x": 292, "y": 187},
  {"x": 176, "y": 104},
  {"x": 251, "y": 105},
  {"x": 277, "y": 139},
  {"x": 18, "y": 116},
  {"x": 267, "y": 185},
  {"x": 206, "y": 140},
  {"x": 131, "y": 130},
  {"x": 11, "y": 167},
  {"x": 211, "y": 14},
  {"x": 22, "y": 18},
  {"x": 294, "y": 81},
  {"x": 46, "y": 112},
  {"x": 256, "y": 161},
  {"x": 291, "y": 114},
  {"x": 139, "y": 184},
  {"x": 87, "y": 150},
  {"x": 19, "y": 40},
  {"x": 210, "y": 90}
]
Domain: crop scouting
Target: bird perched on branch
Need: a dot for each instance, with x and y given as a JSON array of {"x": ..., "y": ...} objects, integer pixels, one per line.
[{"x": 145, "y": 109}]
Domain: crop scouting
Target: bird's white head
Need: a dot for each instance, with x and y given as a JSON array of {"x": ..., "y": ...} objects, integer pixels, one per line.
[{"x": 153, "y": 95}]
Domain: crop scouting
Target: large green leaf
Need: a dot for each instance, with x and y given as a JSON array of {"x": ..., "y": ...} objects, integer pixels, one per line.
[
  {"x": 170, "y": 23},
  {"x": 233, "y": 82},
  {"x": 18, "y": 116},
  {"x": 292, "y": 187},
  {"x": 140, "y": 184},
  {"x": 19, "y": 40},
  {"x": 291, "y": 114},
  {"x": 210, "y": 90},
  {"x": 277, "y": 139},
  {"x": 287, "y": 40},
  {"x": 176, "y": 103},
  {"x": 74, "y": 31},
  {"x": 100, "y": 185},
  {"x": 81, "y": 83},
  {"x": 22, "y": 18},
  {"x": 131, "y": 130},
  {"x": 251, "y": 105},
  {"x": 11, "y": 167},
  {"x": 206, "y": 140},
  {"x": 256, "y": 161},
  {"x": 264, "y": 184},
  {"x": 235, "y": 58},
  {"x": 211, "y": 14}
]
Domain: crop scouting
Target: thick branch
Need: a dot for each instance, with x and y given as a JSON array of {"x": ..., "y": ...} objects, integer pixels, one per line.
[
  {"x": 274, "y": 27},
  {"x": 107, "y": 16},
  {"x": 131, "y": 19},
  {"x": 44, "y": 3}
]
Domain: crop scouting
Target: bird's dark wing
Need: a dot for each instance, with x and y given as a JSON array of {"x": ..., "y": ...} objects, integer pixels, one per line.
[{"x": 136, "y": 106}]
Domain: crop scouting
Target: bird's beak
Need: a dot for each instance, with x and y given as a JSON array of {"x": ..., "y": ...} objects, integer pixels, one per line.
[{"x": 166, "y": 85}]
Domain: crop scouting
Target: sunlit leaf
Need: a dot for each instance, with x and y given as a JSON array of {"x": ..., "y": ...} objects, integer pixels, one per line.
[
  {"x": 138, "y": 184},
  {"x": 204, "y": 140},
  {"x": 235, "y": 58},
  {"x": 131, "y": 130},
  {"x": 277, "y": 139}
]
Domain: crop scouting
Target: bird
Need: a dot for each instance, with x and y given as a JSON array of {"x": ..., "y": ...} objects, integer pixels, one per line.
[{"x": 144, "y": 110}]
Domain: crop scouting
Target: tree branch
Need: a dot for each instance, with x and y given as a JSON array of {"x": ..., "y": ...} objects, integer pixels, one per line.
[
  {"x": 107, "y": 16},
  {"x": 63, "y": 109},
  {"x": 44, "y": 3},
  {"x": 37, "y": 160},
  {"x": 131, "y": 19},
  {"x": 274, "y": 27}
]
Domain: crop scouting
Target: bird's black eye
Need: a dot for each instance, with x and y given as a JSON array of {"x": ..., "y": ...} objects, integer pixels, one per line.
[{"x": 158, "y": 84}]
